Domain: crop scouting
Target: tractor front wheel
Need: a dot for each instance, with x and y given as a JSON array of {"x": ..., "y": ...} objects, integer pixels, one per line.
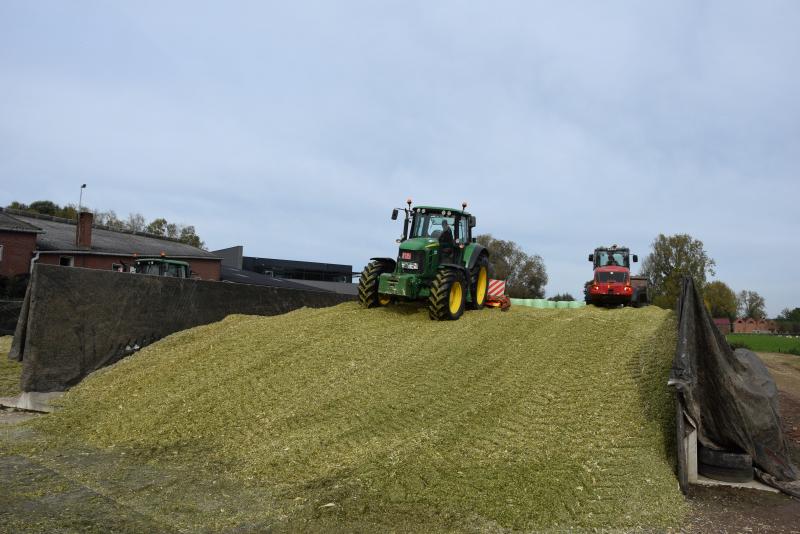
[
  {"x": 368, "y": 294},
  {"x": 479, "y": 283},
  {"x": 447, "y": 299}
]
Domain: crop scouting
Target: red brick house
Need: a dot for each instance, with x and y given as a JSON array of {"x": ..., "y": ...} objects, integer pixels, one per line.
[
  {"x": 723, "y": 325},
  {"x": 17, "y": 243},
  {"x": 754, "y": 326},
  {"x": 26, "y": 238}
]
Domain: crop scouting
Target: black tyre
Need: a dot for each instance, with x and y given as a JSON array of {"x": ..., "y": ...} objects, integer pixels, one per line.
[
  {"x": 448, "y": 290},
  {"x": 726, "y": 459},
  {"x": 479, "y": 283},
  {"x": 725, "y": 474},
  {"x": 368, "y": 294},
  {"x": 641, "y": 298}
]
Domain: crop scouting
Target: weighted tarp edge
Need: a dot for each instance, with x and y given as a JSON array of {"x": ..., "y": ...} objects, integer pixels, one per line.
[{"x": 729, "y": 394}]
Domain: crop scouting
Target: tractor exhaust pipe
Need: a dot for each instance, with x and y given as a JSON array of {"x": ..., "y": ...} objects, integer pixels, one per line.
[{"x": 406, "y": 221}]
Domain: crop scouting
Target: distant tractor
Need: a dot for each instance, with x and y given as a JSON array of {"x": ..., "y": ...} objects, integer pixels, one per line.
[
  {"x": 161, "y": 266},
  {"x": 613, "y": 284},
  {"x": 439, "y": 261}
]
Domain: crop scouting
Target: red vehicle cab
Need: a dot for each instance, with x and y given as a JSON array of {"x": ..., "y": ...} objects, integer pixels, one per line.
[{"x": 613, "y": 284}]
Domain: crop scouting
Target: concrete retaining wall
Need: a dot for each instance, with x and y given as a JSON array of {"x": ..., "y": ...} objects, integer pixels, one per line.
[
  {"x": 9, "y": 314},
  {"x": 75, "y": 321}
]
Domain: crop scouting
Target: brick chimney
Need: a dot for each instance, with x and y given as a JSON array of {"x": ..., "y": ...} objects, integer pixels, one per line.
[{"x": 83, "y": 233}]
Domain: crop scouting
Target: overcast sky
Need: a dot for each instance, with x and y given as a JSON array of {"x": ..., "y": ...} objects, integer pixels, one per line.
[{"x": 293, "y": 128}]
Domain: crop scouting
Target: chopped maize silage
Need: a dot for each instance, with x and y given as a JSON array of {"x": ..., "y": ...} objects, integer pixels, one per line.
[
  {"x": 9, "y": 370},
  {"x": 525, "y": 420}
]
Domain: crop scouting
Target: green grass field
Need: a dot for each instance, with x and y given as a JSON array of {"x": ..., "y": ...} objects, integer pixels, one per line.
[
  {"x": 344, "y": 419},
  {"x": 766, "y": 342}
]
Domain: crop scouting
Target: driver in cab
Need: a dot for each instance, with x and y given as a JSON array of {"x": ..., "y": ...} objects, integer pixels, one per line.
[{"x": 446, "y": 242}]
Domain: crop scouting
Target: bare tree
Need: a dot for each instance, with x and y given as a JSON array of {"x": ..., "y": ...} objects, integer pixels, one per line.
[
  {"x": 172, "y": 230},
  {"x": 751, "y": 305},
  {"x": 136, "y": 222}
]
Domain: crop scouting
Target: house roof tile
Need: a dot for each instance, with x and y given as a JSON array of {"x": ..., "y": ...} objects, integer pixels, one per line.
[
  {"x": 10, "y": 223},
  {"x": 59, "y": 235}
]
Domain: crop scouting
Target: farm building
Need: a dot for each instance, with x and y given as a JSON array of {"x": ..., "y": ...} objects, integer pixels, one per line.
[
  {"x": 236, "y": 267},
  {"x": 723, "y": 324},
  {"x": 26, "y": 238},
  {"x": 754, "y": 326},
  {"x": 17, "y": 243}
]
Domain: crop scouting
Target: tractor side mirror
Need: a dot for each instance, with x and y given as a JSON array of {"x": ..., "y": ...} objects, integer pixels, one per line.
[
  {"x": 394, "y": 214},
  {"x": 591, "y": 257},
  {"x": 473, "y": 221},
  {"x": 635, "y": 258}
]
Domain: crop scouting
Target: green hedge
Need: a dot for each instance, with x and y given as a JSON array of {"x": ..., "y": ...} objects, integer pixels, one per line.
[{"x": 765, "y": 342}]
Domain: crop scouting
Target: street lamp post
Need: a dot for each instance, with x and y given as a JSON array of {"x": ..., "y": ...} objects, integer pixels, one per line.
[{"x": 80, "y": 199}]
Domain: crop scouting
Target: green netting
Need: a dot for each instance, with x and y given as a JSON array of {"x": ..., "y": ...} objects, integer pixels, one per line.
[{"x": 547, "y": 304}]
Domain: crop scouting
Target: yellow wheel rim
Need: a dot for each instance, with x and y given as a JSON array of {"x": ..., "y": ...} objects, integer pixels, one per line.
[
  {"x": 483, "y": 279},
  {"x": 383, "y": 300},
  {"x": 455, "y": 297}
]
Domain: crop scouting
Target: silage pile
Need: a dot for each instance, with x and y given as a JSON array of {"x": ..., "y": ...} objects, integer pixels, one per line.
[
  {"x": 523, "y": 420},
  {"x": 9, "y": 370}
]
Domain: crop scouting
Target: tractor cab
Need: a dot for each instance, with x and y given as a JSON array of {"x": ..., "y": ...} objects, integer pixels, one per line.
[
  {"x": 429, "y": 222},
  {"x": 160, "y": 266},
  {"x": 430, "y": 227},
  {"x": 612, "y": 256}
]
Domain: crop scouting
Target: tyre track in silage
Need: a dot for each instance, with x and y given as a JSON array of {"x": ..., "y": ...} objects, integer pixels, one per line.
[{"x": 525, "y": 418}]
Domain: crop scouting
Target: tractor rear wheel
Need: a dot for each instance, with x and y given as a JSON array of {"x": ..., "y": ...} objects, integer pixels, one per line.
[
  {"x": 368, "y": 294},
  {"x": 446, "y": 302},
  {"x": 639, "y": 301},
  {"x": 479, "y": 283}
]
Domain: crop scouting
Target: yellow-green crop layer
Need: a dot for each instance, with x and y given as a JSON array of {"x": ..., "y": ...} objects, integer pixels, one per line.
[
  {"x": 373, "y": 419},
  {"x": 9, "y": 370}
]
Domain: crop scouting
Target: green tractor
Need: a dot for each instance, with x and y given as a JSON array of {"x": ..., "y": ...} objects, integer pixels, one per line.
[
  {"x": 161, "y": 266},
  {"x": 439, "y": 261}
]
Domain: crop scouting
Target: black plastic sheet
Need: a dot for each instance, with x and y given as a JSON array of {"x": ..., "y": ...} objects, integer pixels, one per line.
[{"x": 729, "y": 394}]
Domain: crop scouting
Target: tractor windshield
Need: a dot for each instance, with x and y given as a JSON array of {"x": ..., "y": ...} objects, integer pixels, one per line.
[
  {"x": 608, "y": 277},
  {"x": 171, "y": 269},
  {"x": 612, "y": 258},
  {"x": 430, "y": 224},
  {"x": 148, "y": 268}
]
